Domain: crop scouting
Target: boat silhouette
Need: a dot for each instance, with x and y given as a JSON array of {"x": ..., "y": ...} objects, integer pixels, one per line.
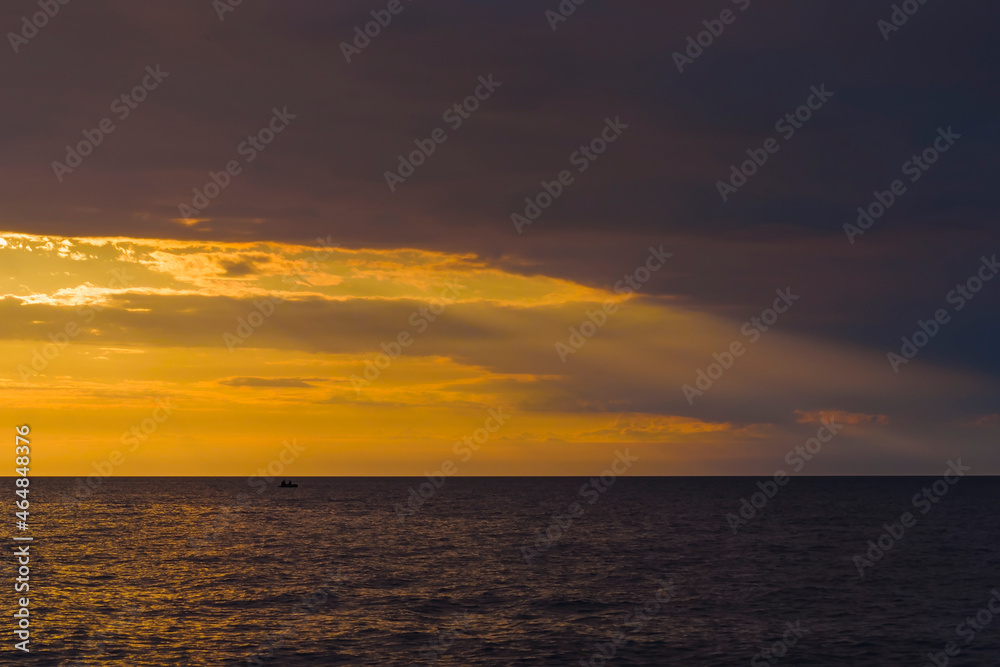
[{"x": 288, "y": 484}]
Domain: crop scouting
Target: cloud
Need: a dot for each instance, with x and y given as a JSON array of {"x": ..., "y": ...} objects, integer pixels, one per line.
[
  {"x": 989, "y": 421},
  {"x": 271, "y": 382},
  {"x": 244, "y": 268},
  {"x": 324, "y": 178},
  {"x": 840, "y": 417}
]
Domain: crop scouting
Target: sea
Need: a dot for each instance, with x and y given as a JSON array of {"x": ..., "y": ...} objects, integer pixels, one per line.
[{"x": 510, "y": 571}]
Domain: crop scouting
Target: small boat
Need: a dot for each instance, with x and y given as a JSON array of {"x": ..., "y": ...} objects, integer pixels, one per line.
[{"x": 288, "y": 485}]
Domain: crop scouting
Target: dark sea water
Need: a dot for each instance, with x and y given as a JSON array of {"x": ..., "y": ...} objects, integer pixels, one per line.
[{"x": 154, "y": 572}]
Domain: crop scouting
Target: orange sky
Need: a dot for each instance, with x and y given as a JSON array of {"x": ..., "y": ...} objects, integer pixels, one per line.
[{"x": 187, "y": 358}]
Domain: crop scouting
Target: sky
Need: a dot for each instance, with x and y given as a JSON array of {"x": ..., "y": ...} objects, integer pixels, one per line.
[{"x": 215, "y": 240}]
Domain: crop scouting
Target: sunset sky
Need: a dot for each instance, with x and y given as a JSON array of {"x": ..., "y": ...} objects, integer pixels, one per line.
[{"x": 114, "y": 303}]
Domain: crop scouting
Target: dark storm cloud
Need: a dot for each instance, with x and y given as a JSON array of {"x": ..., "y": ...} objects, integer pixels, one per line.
[{"x": 323, "y": 175}]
